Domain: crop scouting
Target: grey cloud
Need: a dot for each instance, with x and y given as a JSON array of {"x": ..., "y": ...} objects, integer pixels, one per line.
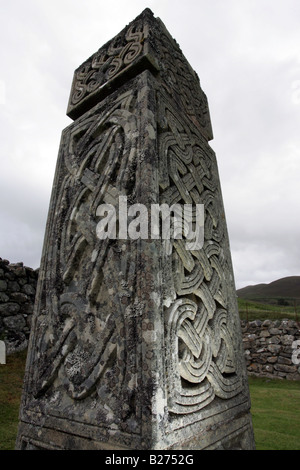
[{"x": 246, "y": 55}]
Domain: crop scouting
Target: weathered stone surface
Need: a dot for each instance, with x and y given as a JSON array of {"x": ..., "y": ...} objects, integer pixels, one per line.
[
  {"x": 265, "y": 334},
  {"x": 272, "y": 359},
  {"x": 14, "y": 322},
  {"x": 20, "y": 297},
  {"x": 273, "y": 339},
  {"x": 15, "y": 341},
  {"x": 135, "y": 342},
  {"x": 13, "y": 286},
  {"x": 287, "y": 339},
  {"x": 15, "y": 306},
  {"x": 19, "y": 271},
  {"x": 3, "y": 262},
  {"x": 281, "y": 348},
  {"x": 284, "y": 360},
  {"x": 275, "y": 331},
  {"x": 285, "y": 368},
  {"x": 274, "y": 348},
  {"x": 4, "y": 297},
  {"x": 28, "y": 289},
  {"x": 3, "y": 286},
  {"x": 9, "y": 308}
]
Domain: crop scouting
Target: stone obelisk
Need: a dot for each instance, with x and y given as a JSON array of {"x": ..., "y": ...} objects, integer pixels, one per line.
[{"x": 135, "y": 340}]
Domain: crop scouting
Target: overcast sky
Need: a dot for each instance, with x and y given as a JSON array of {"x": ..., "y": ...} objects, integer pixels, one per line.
[{"x": 247, "y": 56}]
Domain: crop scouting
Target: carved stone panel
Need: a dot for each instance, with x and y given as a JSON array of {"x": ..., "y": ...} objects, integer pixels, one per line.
[
  {"x": 204, "y": 366},
  {"x": 84, "y": 361}
]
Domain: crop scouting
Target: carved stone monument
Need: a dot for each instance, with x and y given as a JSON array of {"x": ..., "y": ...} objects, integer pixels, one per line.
[{"x": 136, "y": 341}]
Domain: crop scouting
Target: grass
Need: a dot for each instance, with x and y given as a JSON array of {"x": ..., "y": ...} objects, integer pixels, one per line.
[
  {"x": 254, "y": 310},
  {"x": 275, "y": 408},
  {"x": 275, "y": 413},
  {"x": 11, "y": 381}
]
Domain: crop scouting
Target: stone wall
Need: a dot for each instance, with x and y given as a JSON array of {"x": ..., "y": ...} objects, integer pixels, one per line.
[
  {"x": 17, "y": 294},
  {"x": 272, "y": 348}
]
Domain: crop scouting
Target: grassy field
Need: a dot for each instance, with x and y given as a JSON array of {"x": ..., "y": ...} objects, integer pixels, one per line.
[
  {"x": 275, "y": 408},
  {"x": 11, "y": 380},
  {"x": 275, "y": 413},
  {"x": 252, "y": 310}
]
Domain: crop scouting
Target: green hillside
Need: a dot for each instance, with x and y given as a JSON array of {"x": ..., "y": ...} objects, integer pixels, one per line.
[
  {"x": 283, "y": 292},
  {"x": 254, "y": 310}
]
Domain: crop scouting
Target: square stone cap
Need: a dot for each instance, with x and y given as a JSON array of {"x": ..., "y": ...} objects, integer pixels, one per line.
[{"x": 144, "y": 44}]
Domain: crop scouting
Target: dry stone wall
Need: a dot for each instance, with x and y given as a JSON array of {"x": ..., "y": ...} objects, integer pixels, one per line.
[
  {"x": 17, "y": 294},
  {"x": 272, "y": 348}
]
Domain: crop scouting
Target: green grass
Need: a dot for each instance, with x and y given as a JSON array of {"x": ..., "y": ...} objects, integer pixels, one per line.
[
  {"x": 11, "y": 381},
  {"x": 254, "y": 310},
  {"x": 275, "y": 413},
  {"x": 275, "y": 408}
]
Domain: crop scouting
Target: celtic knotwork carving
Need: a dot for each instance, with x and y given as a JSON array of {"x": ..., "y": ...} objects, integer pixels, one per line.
[
  {"x": 108, "y": 62},
  {"x": 200, "y": 359},
  {"x": 85, "y": 335},
  {"x": 181, "y": 83}
]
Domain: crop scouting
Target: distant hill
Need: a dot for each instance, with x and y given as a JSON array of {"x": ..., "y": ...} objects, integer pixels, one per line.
[{"x": 285, "y": 288}]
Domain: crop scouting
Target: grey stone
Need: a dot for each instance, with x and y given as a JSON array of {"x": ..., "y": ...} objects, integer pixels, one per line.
[
  {"x": 274, "y": 348},
  {"x": 136, "y": 342},
  {"x": 284, "y": 360},
  {"x": 252, "y": 337},
  {"x": 272, "y": 359},
  {"x": 4, "y": 262},
  {"x": 285, "y": 368},
  {"x": 265, "y": 334},
  {"x": 3, "y": 285},
  {"x": 9, "y": 275},
  {"x": 15, "y": 341},
  {"x": 274, "y": 331},
  {"x": 3, "y": 297},
  {"x": 274, "y": 340},
  {"x": 246, "y": 344},
  {"x": 261, "y": 350},
  {"x": 9, "y": 308},
  {"x": 267, "y": 368},
  {"x": 14, "y": 322},
  {"x": 19, "y": 271},
  {"x": 13, "y": 286},
  {"x": 27, "y": 308},
  {"x": 287, "y": 339},
  {"x": 284, "y": 324},
  {"x": 19, "y": 297},
  {"x": 28, "y": 289},
  {"x": 286, "y": 351},
  {"x": 28, "y": 321},
  {"x": 254, "y": 367},
  {"x": 255, "y": 323}
]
